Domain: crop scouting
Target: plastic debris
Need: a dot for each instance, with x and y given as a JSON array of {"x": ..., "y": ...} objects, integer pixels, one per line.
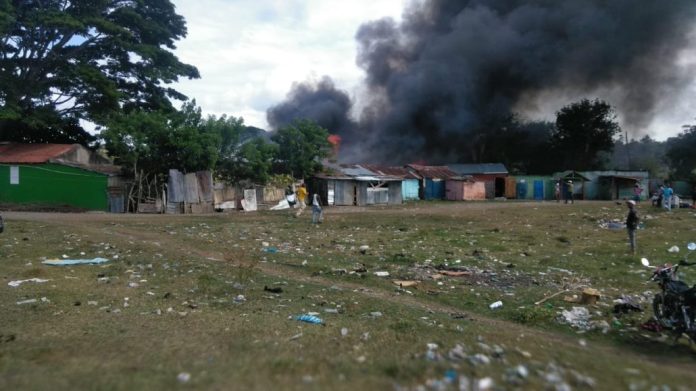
[
  {"x": 673, "y": 249},
  {"x": 273, "y": 290},
  {"x": 183, "y": 377},
  {"x": 344, "y": 332},
  {"x": 382, "y": 274},
  {"x": 17, "y": 283},
  {"x": 309, "y": 319},
  {"x": 239, "y": 299},
  {"x": 68, "y": 262},
  {"x": 496, "y": 305},
  {"x": 578, "y": 317},
  {"x": 28, "y": 301},
  {"x": 405, "y": 284},
  {"x": 363, "y": 249},
  {"x": 270, "y": 249}
]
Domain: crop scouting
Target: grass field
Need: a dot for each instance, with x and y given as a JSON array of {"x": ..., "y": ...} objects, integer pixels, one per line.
[{"x": 209, "y": 302}]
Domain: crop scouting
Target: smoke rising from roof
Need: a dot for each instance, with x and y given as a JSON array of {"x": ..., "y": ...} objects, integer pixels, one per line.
[{"x": 452, "y": 69}]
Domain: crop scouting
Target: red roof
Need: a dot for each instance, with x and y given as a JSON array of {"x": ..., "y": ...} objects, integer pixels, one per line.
[{"x": 32, "y": 153}]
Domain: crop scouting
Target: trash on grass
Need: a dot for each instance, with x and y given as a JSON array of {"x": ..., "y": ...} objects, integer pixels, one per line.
[
  {"x": 309, "y": 319},
  {"x": 273, "y": 290},
  {"x": 183, "y": 377},
  {"x": 589, "y": 296},
  {"x": 382, "y": 274},
  {"x": 495, "y": 305},
  {"x": 17, "y": 283},
  {"x": 578, "y": 317},
  {"x": 452, "y": 273},
  {"x": 405, "y": 284},
  {"x": 28, "y": 301},
  {"x": 67, "y": 262},
  {"x": 673, "y": 249}
]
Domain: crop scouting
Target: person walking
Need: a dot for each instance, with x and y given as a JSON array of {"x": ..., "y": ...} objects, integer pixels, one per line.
[
  {"x": 317, "y": 213},
  {"x": 632, "y": 220},
  {"x": 667, "y": 194},
  {"x": 637, "y": 191},
  {"x": 569, "y": 192},
  {"x": 301, "y": 199},
  {"x": 558, "y": 191}
]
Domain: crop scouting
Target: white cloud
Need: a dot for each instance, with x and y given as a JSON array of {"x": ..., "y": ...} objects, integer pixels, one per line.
[{"x": 250, "y": 52}]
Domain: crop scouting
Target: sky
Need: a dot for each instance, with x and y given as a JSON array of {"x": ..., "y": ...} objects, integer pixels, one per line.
[{"x": 249, "y": 53}]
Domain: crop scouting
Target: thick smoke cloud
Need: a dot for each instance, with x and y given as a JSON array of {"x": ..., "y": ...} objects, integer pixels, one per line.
[
  {"x": 321, "y": 102},
  {"x": 451, "y": 71}
]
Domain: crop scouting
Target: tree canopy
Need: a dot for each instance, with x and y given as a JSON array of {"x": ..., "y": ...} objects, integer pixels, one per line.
[
  {"x": 680, "y": 154},
  {"x": 301, "y": 146},
  {"x": 153, "y": 142},
  {"x": 63, "y": 62},
  {"x": 583, "y": 130}
]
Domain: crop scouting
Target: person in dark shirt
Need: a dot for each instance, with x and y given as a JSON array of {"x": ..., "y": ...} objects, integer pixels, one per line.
[{"x": 632, "y": 224}]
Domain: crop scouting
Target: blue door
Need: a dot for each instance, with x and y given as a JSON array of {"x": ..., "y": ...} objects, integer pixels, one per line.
[
  {"x": 538, "y": 190},
  {"x": 521, "y": 190}
]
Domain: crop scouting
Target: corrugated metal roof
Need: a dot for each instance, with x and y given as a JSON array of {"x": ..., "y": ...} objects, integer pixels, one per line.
[
  {"x": 355, "y": 170},
  {"x": 441, "y": 172},
  {"x": 32, "y": 153},
  {"x": 392, "y": 171},
  {"x": 481, "y": 168}
]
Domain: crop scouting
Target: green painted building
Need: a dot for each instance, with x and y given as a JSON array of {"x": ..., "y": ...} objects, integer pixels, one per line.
[{"x": 59, "y": 175}]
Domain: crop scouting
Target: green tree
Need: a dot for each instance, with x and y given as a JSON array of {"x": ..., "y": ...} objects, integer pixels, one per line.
[
  {"x": 583, "y": 130},
  {"x": 63, "y": 62},
  {"x": 301, "y": 146},
  {"x": 152, "y": 142},
  {"x": 251, "y": 163},
  {"x": 681, "y": 156}
]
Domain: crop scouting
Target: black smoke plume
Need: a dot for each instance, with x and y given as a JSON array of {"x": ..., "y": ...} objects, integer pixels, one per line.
[
  {"x": 319, "y": 101},
  {"x": 453, "y": 72}
]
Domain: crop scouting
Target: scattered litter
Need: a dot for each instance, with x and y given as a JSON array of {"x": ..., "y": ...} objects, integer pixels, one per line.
[
  {"x": 273, "y": 290},
  {"x": 375, "y": 314},
  {"x": 294, "y": 337},
  {"x": 28, "y": 301},
  {"x": 624, "y": 305},
  {"x": 485, "y": 384},
  {"x": 382, "y": 274},
  {"x": 344, "y": 332},
  {"x": 17, "y": 283},
  {"x": 67, "y": 262},
  {"x": 578, "y": 317},
  {"x": 310, "y": 319},
  {"x": 589, "y": 296},
  {"x": 183, "y": 377},
  {"x": 270, "y": 250},
  {"x": 239, "y": 299},
  {"x": 496, "y": 305},
  {"x": 673, "y": 249},
  {"x": 454, "y": 273},
  {"x": 363, "y": 249},
  {"x": 405, "y": 284}
]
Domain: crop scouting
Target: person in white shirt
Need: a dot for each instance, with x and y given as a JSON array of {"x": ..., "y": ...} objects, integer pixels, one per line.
[{"x": 317, "y": 213}]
